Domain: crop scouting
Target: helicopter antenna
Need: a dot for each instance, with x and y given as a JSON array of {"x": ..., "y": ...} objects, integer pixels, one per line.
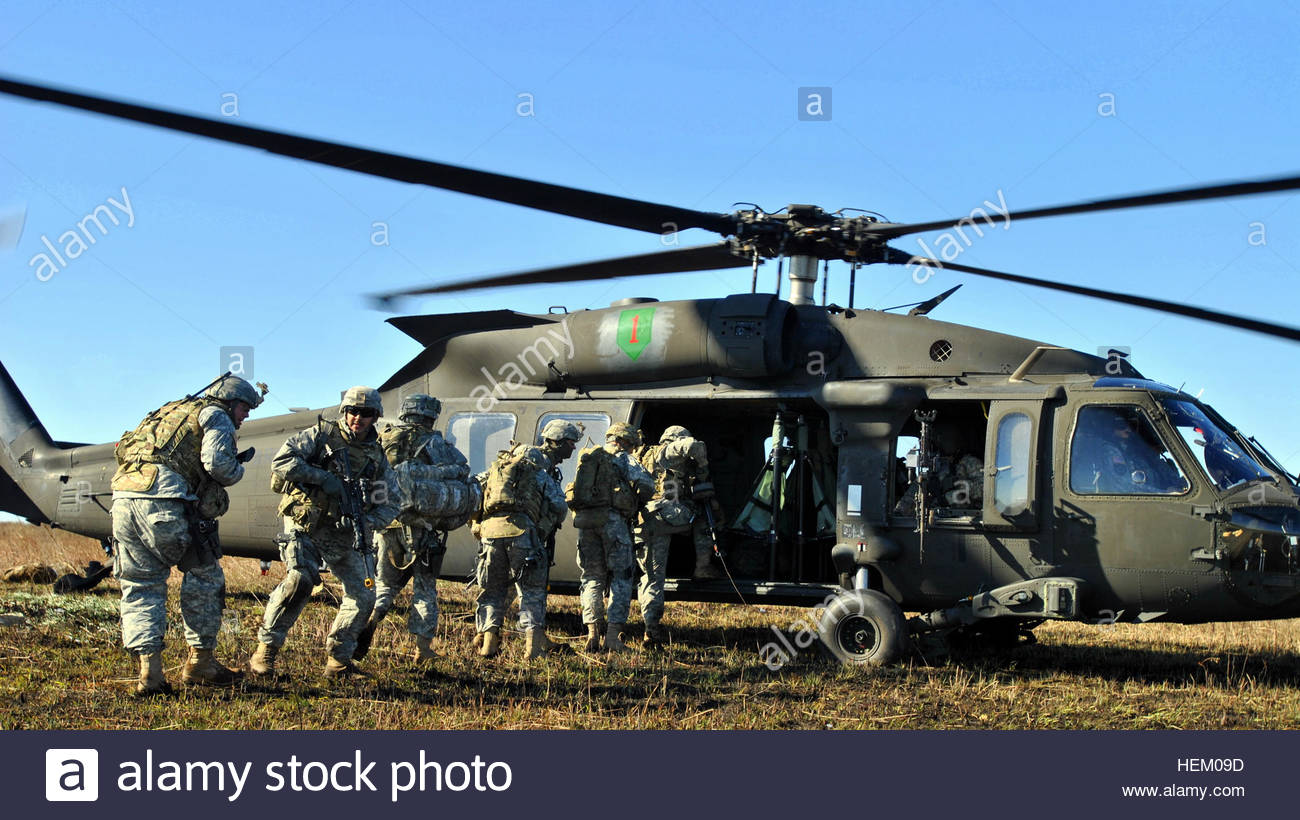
[{"x": 924, "y": 308}]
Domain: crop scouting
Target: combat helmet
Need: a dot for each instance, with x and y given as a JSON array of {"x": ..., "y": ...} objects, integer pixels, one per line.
[
  {"x": 361, "y": 397},
  {"x": 561, "y": 430},
  {"x": 673, "y": 433},
  {"x": 624, "y": 432},
  {"x": 233, "y": 388},
  {"x": 419, "y": 406}
]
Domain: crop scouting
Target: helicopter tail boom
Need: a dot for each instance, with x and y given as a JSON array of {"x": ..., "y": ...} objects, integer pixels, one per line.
[{"x": 23, "y": 439}]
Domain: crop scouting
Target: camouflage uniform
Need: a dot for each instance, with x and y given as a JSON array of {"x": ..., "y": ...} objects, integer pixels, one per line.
[
  {"x": 156, "y": 508},
  {"x": 415, "y": 549},
  {"x": 605, "y": 552},
  {"x": 514, "y": 549},
  {"x": 678, "y": 463},
  {"x": 514, "y": 540},
  {"x": 316, "y": 535}
]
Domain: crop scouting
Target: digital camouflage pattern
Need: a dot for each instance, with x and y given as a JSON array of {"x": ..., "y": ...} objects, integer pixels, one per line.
[
  {"x": 316, "y": 536},
  {"x": 303, "y": 463},
  {"x": 420, "y": 408},
  {"x": 413, "y": 546},
  {"x": 361, "y": 396},
  {"x": 152, "y": 526},
  {"x": 515, "y": 492},
  {"x": 233, "y": 388},
  {"x": 151, "y": 535},
  {"x": 677, "y": 463},
  {"x": 514, "y": 545},
  {"x": 170, "y": 438},
  {"x": 507, "y": 565},
  {"x": 303, "y": 558},
  {"x": 605, "y": 551},
  {"x": 433, "y": 477}
]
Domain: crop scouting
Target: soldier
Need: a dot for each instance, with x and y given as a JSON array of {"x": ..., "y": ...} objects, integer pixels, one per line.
[
  {"x": 167, "y": 492},
  {"x": 680, "y": 466},
  {"x": 607, "y": 491},
  {"x": 522, "y": 507},
  {"x": 312, "y": 471},
  {"x": 412, "y": 546}
]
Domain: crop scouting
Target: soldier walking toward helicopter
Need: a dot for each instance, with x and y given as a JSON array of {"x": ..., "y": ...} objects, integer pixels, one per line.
[
  {"x": 522, "y": 506},
  {"x": 607, "y": 491},
  {"x": 413, "y": 546},
  {"x": 680, "y": 466}
]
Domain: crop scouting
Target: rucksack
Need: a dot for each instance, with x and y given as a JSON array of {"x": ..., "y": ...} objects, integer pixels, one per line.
[
  {"x": 512, "y": 483},
  {"x": 593, "y": 483}
]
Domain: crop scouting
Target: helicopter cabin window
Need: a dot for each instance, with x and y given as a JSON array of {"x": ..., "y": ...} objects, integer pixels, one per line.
[
  {"x": 1011, "y": 483},
  {"x": 593, "y": 426},
  {"x": 480, "y": 436},
  {"x": 939, "y": 462},
  {"x": 1115, "y": 450}
]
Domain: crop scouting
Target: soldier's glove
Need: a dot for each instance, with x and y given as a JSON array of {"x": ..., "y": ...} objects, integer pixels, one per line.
[
  {"x": 246, "y": 456},
  {"x": 333, "y": 486}
]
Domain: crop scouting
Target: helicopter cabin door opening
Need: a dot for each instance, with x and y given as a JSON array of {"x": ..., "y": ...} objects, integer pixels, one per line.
[
  {"x": 966, "y": 490},
  {"x": 773, "y": 467}
]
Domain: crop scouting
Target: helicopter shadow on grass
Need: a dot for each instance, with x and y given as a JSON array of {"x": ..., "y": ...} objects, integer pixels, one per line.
[{"x": 1123, "y": 664}]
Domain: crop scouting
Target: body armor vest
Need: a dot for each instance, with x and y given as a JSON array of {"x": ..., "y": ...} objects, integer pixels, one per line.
[
  {"x": 310, "y": 507},
  {"x": 170, "y": 436}
]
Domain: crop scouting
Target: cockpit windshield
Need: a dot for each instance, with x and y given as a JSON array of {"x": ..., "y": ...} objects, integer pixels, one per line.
[
  {"x": 1222, "y": 458},
  {"x": 1270, "y": 460}
]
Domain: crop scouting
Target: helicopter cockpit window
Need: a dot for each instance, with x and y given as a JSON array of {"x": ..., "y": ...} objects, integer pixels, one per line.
[
  {"x": 480, "y": 436},
  {"x": 593, "y": 427},
  {"x": 1222, "y": 458},
  {"x": 1116, "y": 451}
]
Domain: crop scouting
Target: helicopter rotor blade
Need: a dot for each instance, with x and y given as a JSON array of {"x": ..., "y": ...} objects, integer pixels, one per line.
[
  {"x": 595, "y": 207},
  {"x": 897, "y": 257},
  {"x": 681, "y": 260},
  {"x": 1175, "y": 195}
]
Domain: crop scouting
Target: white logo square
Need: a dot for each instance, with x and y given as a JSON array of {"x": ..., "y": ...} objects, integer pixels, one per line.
[{"x": 71, "y": 774}]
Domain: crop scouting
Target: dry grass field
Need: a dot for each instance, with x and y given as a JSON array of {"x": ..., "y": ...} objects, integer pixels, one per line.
[{"x": 61, "y": 667}]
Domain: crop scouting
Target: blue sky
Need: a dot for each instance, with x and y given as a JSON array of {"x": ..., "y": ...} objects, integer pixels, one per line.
[{"x": 935, "y": 107}]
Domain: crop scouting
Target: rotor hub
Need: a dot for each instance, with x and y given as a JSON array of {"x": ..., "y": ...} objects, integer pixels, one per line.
[{"x": 807, "y": 230}]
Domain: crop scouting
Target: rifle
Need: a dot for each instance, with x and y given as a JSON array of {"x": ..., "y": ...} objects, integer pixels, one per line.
[
  {"x": 356, "y": 496},
  {"x": 205, "y": 387},
  {"x": 703, "y": 494}
]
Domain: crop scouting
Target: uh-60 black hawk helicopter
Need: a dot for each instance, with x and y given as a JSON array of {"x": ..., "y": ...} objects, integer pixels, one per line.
[{"x": 1034, "y": 483}]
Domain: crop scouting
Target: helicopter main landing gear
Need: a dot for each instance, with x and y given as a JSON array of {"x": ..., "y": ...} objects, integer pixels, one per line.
[{"x": 864, "y": 626}]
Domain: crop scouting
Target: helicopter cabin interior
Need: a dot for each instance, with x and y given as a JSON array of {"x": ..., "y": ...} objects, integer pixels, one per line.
[
  {"x": 948, "y": 464},
  {"x": 769, "y": 529}
]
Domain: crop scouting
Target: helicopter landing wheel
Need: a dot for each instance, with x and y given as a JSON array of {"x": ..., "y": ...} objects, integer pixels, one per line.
[{"x": 864, "y": 627}]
